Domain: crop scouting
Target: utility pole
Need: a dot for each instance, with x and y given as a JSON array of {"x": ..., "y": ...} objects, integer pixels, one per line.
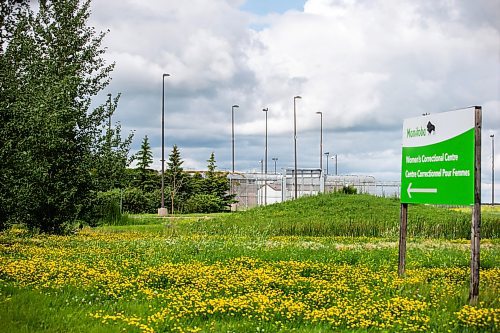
[
  {"x": 327, "y": 154},
  {"x": 492, "y": 136},
  {"x": 109, "y": 121},
  {"x": 275, "y": 159},
  {"x": 162, "y": 209},
  {"x": 321, "y": 141},
  {"x": 232, "y": 129},
  {"x": 295, "y": 141},
  {"x": 265, "y": 163}
]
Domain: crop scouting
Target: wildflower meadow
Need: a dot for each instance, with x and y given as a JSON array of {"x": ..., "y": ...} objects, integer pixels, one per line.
[{"x": 165, "y": 277}]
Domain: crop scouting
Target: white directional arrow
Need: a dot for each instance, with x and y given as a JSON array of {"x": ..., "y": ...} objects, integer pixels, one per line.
[{"x": 420, "y": 190}]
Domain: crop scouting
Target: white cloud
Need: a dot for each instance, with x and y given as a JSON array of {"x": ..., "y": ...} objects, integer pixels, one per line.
[
  {"x": 350, "y": 57},
  {"x": 366, "y": 65}
]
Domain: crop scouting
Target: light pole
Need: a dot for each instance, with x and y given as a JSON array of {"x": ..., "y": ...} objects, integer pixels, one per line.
[
  {"x": 232, "y": 128},
  {"x": 275, "y": 159},
  {"x": 265, "y": 163},
  {"x": 261, "y": 173},
  {"x": 327, "y": 154},
  {"x": 321, "y": 141},
  {"x": 295, "y": 141},
  {"x": 109, "y": 123},
  {"x": 162, "y": 212},
  {"x": 335, "y": 156},
  {"x": 109, "y": 119},
  {"x": 492, "y": 136}
]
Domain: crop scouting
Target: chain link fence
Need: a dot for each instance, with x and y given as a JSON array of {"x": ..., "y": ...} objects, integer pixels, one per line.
[{"x": 256, "y": 189}]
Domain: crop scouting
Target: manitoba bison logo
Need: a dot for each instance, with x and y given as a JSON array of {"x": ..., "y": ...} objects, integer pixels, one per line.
[{"x": 431, "y": 128}]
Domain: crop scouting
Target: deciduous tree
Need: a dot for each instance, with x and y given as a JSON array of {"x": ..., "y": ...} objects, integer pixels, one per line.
[{"x": 51, "y": 68}]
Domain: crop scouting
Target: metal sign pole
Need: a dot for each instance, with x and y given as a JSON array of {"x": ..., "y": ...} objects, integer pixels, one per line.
[
  {"x": 476, "y": 213},
  {"x": 403, "y": 219}
]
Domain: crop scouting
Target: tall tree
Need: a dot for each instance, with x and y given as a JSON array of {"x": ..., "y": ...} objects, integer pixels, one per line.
[
  {"x": 111, "y": 154},
  {"x": 144, "y": 158},
  {"x": 12, "y": 19},
  {"x": 111, "y": 160},
  {"x": 52, "y": 66},
  {"x": 217, "y": 184},
  {"x": 177, "y": 180},
  {"x": 211, "y": 167}
]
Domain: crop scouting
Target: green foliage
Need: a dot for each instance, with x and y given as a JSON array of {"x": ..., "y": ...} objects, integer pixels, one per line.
[
  {"x": 148, "y": 180},
  {"x": 53, "y": 154},
  {"x": 211, "y": 167},
  {"x": 203, "y": 203},
  {"x": 137, "y": 201},
  {"x": 338, "y": 214},
  {"x": 107, "y": 207},
  {"x": 187, "y": 194},
  {"x": 176, "y": 180},
  {"x": 217, "y": 184},
  {"x": 349, "y": 189},
  {"x": 197, "y": 193},
  {"x": 153, "y": 198},
  {"x": 50, "y": 312},
  {"x": 111, "y": 206},
  {"x": 49, "y": 61},
  {"x": 111, "y": 159},
  {"x": 174, "y": 165},
  {"x": 197, "y": 183},
  {"x": 145, "y": 156},
  {"x": 134, "y": 201},
  {"x": 51, "y": 283},
  {"x": 144, "y": 159}
]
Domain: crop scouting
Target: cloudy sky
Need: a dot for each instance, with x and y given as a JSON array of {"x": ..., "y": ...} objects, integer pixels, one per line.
[{"x": 367, "y": 65}]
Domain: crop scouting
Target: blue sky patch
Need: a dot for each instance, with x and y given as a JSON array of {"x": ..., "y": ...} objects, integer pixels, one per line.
[{"x": 264, "y": 7}]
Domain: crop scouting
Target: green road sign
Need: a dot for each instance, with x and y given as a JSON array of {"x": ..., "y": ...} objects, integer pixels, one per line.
[{"x": 438, "y": 159}]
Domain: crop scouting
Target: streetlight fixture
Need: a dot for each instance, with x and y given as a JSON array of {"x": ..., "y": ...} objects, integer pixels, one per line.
[
  {"x": 327, "y": 154},
  {"x": 162, "y": 211},
  {"x": 232, "y": 128},
  {"x": 321, "y": 141},
  {"x": 275, "y": 159},
  {"x": 295, "y": 140},
  {"x": 265, "y": 162},
  {"x": 492, "y": 136}
]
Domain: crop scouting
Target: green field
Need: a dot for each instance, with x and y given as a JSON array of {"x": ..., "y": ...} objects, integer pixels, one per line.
[{"x": 317, "y": 264}]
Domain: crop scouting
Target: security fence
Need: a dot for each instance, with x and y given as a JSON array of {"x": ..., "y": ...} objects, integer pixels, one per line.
[{"x": 255, "y": 189}]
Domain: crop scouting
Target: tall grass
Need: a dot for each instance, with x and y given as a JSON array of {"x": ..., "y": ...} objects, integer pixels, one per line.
[
  {"x": 337, "y": 214},
  {"x": 140, "y": 279},
  {"x": 269, "y": 269}
]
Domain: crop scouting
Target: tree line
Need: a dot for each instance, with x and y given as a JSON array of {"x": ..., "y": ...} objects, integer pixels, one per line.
[
  {"x": 184, "y": 192},
  {"x": 59, "y": 156}
]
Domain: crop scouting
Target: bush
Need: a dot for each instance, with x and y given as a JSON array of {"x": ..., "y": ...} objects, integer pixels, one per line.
[
  {"x": 107, "y": 206},
  {"x": 134, "y": 201},
  {"x": 204, "y": 203},
  {"x": 349, "y": 189},
  {"x": 153, "y": 201}
]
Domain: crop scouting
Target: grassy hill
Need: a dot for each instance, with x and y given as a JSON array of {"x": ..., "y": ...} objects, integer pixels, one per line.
[{"x": 336, "y": 214}]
